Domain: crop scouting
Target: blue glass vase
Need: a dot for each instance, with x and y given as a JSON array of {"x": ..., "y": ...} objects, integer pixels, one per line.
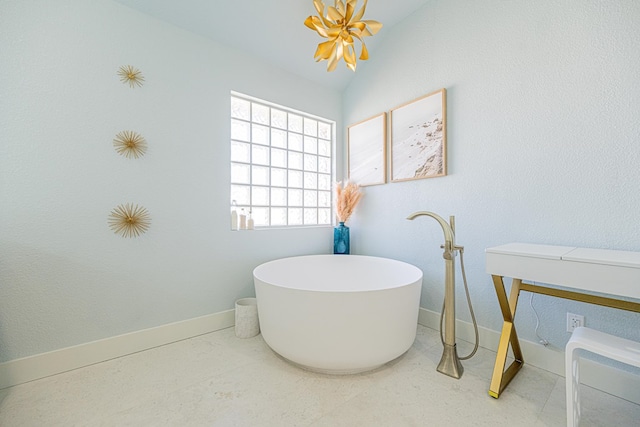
[{"x": 341, "y": 239}]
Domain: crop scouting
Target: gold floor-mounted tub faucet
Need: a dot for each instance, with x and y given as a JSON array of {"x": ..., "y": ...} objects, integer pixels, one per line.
[{"x": 450, "y": 362}]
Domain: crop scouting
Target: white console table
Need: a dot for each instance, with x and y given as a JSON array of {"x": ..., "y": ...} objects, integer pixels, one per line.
[{"x": 582, "y": 271}]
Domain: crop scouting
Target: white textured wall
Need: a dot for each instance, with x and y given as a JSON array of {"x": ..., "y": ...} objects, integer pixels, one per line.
[
  {"x": 543, "y": 142},
  {"x": 65, "y": 278}
]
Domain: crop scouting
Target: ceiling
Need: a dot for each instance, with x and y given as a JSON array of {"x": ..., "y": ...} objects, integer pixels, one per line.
[{"x": 273, "y": 30}]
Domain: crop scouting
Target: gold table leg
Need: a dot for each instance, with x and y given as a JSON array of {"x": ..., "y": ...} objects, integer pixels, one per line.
[
  {"x": 500, "y": 377},
  {"x": 508, "y": 336}
]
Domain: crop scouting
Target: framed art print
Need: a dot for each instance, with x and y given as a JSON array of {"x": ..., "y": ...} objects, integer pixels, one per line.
[
  {"x": 419, "y": 138},
  {"x": 367, "y": 142}
]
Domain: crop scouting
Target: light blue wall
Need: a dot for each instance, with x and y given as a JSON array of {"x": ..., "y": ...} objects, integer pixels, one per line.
[
  {"x": 543, "y": 142},
  {"x": 65, "y": 278},
  {"x": 543, "y": 128}
]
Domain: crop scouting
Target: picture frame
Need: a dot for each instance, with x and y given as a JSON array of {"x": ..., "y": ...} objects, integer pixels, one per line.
[
  {"x": 367, "y": 151},
  {"x": 419, "y": 138}
]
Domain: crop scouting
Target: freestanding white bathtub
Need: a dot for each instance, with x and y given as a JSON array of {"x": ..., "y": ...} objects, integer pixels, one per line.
[{"x": 338, "y": 314}]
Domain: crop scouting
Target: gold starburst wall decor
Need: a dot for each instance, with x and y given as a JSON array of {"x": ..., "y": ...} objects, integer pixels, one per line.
[
  {"x": 341, "y": 25},
  {"x": 129, "y": 220},
  {"x": 130, "y": 144},
  {"x": 131, "y": 75}
]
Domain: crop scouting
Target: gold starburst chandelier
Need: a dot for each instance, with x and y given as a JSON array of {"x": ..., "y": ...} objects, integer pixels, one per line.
[
  {"x": 129, "y": 220},
  {"x": 341, "y": 25}
]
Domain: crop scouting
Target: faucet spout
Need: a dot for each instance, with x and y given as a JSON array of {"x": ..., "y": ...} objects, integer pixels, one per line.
[{"x": 449, "y": 235}]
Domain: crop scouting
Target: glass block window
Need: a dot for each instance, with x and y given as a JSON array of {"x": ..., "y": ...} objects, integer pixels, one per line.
[{"x": 281, "y": 164}]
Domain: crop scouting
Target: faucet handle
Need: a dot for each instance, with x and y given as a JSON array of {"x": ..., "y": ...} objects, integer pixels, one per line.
[{"x": 450, "y": 254}]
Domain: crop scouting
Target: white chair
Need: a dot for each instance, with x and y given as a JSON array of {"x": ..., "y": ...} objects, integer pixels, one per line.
[{"x": 612, "y": 347}]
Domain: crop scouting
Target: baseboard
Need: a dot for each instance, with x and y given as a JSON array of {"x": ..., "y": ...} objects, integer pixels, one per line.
[
  {"x": 608, "y": 379},
  {"x": 602, "y": 377},
  {"x": 42, "y": 365}
]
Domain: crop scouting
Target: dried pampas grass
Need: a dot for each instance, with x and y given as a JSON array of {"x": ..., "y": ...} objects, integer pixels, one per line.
[{"x": 347, "y": 198}]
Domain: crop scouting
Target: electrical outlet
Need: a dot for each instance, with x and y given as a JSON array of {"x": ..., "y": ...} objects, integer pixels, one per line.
[{"x": 574, "y": 321}]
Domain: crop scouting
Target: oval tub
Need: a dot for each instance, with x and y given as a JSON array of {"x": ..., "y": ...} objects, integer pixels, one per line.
[{"x": 338, "y": 314}]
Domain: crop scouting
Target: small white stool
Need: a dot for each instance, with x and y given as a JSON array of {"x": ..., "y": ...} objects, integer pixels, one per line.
[{"x": 612, "y": 347}]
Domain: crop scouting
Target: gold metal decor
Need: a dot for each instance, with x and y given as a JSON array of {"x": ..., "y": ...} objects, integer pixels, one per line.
[
  {"x": 341, "y": 25},
  {"x": 131, "y": 75},
  {"x": 130, "y": 144},
  {"x": 508, "y": 337},
  {"x": 129, "y": 220}
]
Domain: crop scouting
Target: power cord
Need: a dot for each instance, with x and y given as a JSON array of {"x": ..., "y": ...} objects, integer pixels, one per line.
[{"x": 541, "y": 340}]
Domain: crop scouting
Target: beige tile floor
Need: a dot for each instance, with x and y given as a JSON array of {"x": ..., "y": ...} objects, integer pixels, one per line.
[{"x": 219, "y": 380}]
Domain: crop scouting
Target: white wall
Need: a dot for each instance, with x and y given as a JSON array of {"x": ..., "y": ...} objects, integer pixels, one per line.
[
  {"x": 65, "y": 278},
  {"x": 543, "y": 142}
]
